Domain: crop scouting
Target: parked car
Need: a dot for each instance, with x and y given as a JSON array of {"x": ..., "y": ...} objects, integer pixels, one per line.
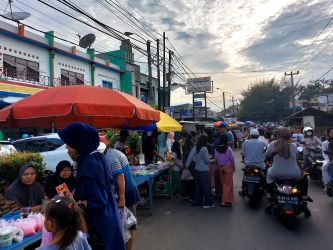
[
  {"x": 6, "y": 147},
  {"x": 50, "y": 146}
]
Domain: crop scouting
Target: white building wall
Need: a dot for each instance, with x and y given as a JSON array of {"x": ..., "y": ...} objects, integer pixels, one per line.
[
  {"x": 67, "y": 63},
  {"x": 102, "y": 74},
  {"x": 24, "y": 50}
]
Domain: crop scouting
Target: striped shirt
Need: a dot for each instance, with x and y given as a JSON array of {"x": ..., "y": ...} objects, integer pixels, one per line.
[{"x": 120, "y": 165}]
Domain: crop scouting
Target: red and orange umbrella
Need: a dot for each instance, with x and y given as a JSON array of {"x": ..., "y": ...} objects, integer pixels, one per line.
[{"x": 59, "y": 106}]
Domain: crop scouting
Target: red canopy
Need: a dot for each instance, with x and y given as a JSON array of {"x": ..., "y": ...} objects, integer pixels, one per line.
[{"x": 60, "y": 106}]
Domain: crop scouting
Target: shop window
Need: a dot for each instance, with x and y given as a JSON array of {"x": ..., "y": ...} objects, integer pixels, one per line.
[
  {"x": 107, "y": 84},
  {"x": 71, "y": 78}
]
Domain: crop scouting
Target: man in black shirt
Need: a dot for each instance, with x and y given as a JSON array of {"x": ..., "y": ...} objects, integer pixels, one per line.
[{"x": 149, "y": 149}]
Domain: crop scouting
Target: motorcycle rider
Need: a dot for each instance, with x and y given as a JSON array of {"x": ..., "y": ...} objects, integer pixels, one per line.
[
  {"x": 284, "y": 166},
  {"x": 253, "y": 152},
  {"x": 310, "y": 141},
  {"x": 297, "y": 137},
  {"x": 325, "y": 169}
]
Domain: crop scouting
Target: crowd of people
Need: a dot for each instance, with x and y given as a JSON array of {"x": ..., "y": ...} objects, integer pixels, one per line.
[
  {"x": 209, "y": 156},
  {"x": 204, "y": 162},
  {"x": 88, "y": 217}
]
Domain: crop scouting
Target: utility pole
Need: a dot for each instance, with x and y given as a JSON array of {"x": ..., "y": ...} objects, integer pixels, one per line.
[
  {"x": 164, "y": 80},
  {"x": 292, "y": 87},
  {"x": 233, "y": 105},
  {"x": 205, "y": 106},
  {"x": 169, "y": 79},
  {"x": 193, "y": 111},
  {"x": 150, "y": 77},
  {"x": 158, "y": 76},
  {"x": 224, "y": 101}
]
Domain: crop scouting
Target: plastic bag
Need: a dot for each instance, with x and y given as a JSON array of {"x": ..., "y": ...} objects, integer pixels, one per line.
[
  {"x": 186, "y": 175},
  {"x": 125, "y": 231},
  {"x": 130, "y": 219}
]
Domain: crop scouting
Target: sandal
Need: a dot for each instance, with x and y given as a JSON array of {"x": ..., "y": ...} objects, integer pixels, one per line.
[{"x": 226, "y": 204}]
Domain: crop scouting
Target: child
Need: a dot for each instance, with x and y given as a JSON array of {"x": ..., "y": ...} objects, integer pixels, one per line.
[
  {"x": 64, "y": 220},
  {"x": 178, "y": 165}
]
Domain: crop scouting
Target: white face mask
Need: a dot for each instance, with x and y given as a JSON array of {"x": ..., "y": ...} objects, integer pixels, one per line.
[{"x": 308, "y": 133}]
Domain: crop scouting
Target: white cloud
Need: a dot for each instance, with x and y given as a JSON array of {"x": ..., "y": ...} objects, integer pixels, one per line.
[{"x": 240, "y": 38}]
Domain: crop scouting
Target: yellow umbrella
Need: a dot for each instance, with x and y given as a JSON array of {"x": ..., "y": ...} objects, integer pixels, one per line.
[{"x": 168, "y": 124}]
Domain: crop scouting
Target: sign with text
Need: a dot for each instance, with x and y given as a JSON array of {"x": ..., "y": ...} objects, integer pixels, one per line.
[
  {"x": 198, "y": 104},
  {"x": 199, "y": 84},
  {"x": 187, "y": 113}
]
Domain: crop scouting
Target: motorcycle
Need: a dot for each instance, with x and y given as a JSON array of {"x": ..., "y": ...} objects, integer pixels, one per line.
[
  {"x": 316, "y": 158},
  {"x": 287, "y": 201},
  {"x": 253, "y": 184}
]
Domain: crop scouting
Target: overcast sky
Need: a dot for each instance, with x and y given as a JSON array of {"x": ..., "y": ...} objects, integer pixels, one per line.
[{"x": 236, "y": 41}]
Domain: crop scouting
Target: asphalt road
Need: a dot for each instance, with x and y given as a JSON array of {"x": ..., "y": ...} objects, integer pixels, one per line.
[{"x": 176, "y": 225}]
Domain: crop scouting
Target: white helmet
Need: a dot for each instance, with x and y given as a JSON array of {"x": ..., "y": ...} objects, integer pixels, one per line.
[{"x": 307, "y": 129}]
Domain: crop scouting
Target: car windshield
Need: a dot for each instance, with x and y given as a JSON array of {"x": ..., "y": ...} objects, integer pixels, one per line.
[{"x": 38, "y": 145}]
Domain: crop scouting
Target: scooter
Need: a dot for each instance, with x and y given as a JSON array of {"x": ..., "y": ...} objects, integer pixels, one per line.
[
  {"x": 253, "y": 184},
  {"x": 316, "y": 158},
  {"x": 287, "y": 201}
]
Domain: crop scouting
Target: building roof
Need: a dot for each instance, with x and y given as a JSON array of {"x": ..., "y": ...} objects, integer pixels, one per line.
[{"x": 309, "y": 112}]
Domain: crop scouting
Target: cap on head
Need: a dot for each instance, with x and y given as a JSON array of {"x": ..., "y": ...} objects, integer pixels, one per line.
[{"x": 254, "y": 132}]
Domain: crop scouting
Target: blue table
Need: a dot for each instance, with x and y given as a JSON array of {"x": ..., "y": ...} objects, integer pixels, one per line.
[
  {"x": 27, "y": 241},
  {"x": 149, "y": 178}
]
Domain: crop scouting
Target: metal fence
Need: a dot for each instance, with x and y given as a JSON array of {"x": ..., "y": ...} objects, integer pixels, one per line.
[{"x": 28, "y": 75}]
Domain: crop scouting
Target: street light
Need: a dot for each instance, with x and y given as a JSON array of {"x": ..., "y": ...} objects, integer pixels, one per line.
[{"x": 223, "y": 98}]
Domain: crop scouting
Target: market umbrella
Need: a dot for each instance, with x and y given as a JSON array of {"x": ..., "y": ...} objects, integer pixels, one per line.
[
  {"x": 240, "y": 123},
  {"x": 166, "y": 124},
  {"x": 59, "y": 106}
]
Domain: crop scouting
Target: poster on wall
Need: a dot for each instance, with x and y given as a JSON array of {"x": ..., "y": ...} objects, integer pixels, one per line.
[{"x": 309, "y": 121}]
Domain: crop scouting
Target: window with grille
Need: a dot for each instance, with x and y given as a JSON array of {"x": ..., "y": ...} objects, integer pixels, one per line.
[
  {"x": 71, "y": 78},
  {"x": 19, "y": 68}
]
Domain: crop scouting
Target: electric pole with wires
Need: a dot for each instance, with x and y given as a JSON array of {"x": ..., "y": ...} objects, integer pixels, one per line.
[{"x": 291, "y": 74}]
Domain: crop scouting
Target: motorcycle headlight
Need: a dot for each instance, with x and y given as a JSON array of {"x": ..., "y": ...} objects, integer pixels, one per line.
[
  {"x": 285, "y": 189},
  {"x": 295, "y": 190}
]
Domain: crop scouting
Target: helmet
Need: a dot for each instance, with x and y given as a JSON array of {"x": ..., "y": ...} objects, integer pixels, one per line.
[
  {"x": 224, "y": 124},
  {"x": 254, "y": 132},
  {"x": 306, "y": 129}
]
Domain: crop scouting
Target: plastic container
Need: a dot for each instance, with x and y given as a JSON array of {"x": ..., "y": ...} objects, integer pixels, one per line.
[{"x": 6, "y": 243}]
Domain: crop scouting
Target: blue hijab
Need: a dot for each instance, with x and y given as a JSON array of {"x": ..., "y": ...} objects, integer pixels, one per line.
[
  {"x": 84, "y": 138},
  {"x": 102, "y": 210}
]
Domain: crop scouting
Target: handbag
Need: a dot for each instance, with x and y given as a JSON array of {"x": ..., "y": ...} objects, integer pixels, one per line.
[{"x": 186, "y": 175}]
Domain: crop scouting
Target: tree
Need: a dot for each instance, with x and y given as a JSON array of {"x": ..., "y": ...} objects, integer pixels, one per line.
[
  {"x": 264, "y": 101},
  {"x": 306, "y": 92}
]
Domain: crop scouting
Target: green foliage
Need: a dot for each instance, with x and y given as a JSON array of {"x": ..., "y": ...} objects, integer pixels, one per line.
[
  {"x": 10, "y": 165},
  {"x": 133, "y": 141},
  {"x": 315, "y": 87},
  {"x": 111, "y": 135},
  {"x": 265, "y": 101}
]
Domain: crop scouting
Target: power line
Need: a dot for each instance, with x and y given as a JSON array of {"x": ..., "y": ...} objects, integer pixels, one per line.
[
  {"x": 316, "y": 38},
  {"x": 325, "y": 74}
]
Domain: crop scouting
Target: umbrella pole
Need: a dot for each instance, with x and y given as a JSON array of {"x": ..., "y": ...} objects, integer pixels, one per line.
[{"x": 53, "y": 129}]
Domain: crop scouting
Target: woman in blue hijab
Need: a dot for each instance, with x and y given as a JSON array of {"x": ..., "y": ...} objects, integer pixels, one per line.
[{"x": 94, "y": 186}]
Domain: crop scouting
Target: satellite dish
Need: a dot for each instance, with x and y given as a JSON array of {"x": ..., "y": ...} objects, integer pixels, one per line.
[
  {"x": 17, "y": 16},
  {"x": 87, "y": 41}
]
